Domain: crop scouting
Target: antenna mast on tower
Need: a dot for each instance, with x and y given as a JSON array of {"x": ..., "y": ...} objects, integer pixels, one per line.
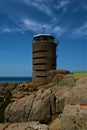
[{"x": 43, "y": 29}]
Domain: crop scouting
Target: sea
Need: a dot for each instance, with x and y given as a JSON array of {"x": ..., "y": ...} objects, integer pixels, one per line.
[{"x": 15, "y": 79}]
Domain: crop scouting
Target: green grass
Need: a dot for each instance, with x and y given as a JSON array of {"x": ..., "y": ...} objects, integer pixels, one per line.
[{"x": 78, "y": 75}]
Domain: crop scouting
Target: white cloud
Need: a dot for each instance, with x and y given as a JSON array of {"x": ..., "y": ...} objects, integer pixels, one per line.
[
  {"x": 57, "y": 29},
  {"x": 6, "y": 30},
  {"x": 41, "y": 0},
  {"x": 60, "y": 30},
  {"x": 54, "y": 20},
  {"x": 62, "y": 4},
  {"x": 79, "y": 32},
  {"x": 9, "y": 29},
  {"x": 30, "y": 25},
  {"x": 23, "y": 25},
  {"x": 37, "y": 27},
  {"x": 41, "y": 5}
]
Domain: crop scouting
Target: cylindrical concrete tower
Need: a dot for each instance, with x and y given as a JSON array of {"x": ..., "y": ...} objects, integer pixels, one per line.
[{"x": 44, "y": 58}]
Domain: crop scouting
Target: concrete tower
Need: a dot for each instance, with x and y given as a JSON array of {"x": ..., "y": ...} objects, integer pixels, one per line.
[{"x": 44, "y": 58}]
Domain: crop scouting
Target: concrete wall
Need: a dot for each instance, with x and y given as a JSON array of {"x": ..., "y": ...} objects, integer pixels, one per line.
[{"x": 43, "y": 60}]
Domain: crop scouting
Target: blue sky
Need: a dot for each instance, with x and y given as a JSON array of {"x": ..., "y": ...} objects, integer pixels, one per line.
[{"x": 20, "y": 20}]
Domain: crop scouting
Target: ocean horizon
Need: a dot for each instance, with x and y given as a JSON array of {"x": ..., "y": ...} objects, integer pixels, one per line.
[{"x": 15, "y": 79}]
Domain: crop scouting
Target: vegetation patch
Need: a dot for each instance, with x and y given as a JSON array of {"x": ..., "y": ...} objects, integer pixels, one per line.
[{"x": 78, "y": 75}]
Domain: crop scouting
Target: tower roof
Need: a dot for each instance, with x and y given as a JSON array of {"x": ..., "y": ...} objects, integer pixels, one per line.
[{"x": 38, "y": 35}]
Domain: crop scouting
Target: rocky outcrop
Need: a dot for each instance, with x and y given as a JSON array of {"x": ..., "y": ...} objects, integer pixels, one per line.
[
  {"x": 78, "y": 94},
  {"x": 55, "y": 124},
  {"x": 74, "y": 118},
  {"x": 63, "y": 106},
  {"x": 22, "y": 89},
  {"x": 23, "y": 126},
  {"x": 74, "y": 113},
  {"x": 81, "y": 81},
  {"x": 19, "y": 110},
  {"x": 53, "y": 73},
  {"x": 38, "y": 107},
  {"x": 32, "y": 108},
  {"x": 61, "y": 89},
  {"x": 65, "y": 80}
]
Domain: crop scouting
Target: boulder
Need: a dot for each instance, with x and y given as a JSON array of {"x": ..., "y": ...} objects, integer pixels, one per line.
[
  {"x": 23, "y": 126},
  {"x": 65, "y": 80},
  {"x": 74, "y": 117},
  {"x": 53, "y": 73},
  {"x": 78, "y": 94},
  {"x": 42, "y": 108},
  {"x": 60, "y": 93},
  {"x": 19, "y": 110},
  {"x": 60, "y": 98},
  {"x": 38, "y": 107},
  {"x": 81, "y": 81},
  {"x": 55, "y": 124},
  {"x": 43, "y": 104},
  {"x": 20, "y": 90}
]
